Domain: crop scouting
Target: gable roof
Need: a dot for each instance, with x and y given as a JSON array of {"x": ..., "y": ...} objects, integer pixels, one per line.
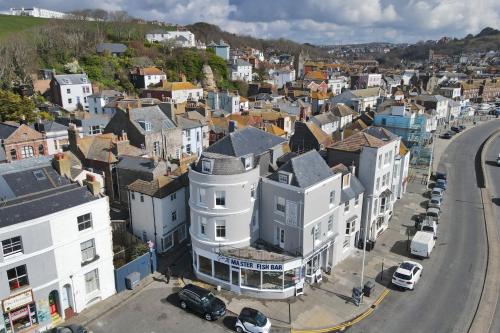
[
  {"x": 249, "y": 140},
  {"x": 151, "y": 114},
  {"x": 6, "y": 130},
  {"x": 111, "y": 48},
  {"x": 381, "y": 133},
  {"x": 342, "y": 110},
  {"x": 70, "y": 79},
  {"x": 307, "y": 169},
  {"x": 357, "y": 141},
  {"x": 325, "y": 118}
]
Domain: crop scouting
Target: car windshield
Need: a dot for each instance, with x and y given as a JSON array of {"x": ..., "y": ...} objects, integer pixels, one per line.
[
  {"x": 435, "y": 201},
  {"x": 208, "y": 298},
  {"x": 260, "y": 319},
  {"x": 402, "y": 276},
  {"x": 427, "y": 228}
]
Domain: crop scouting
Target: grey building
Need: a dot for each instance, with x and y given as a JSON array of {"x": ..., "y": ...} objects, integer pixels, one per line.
[
  {"x": 264, "y": 223},
  {"x": 148, "y": 128}
]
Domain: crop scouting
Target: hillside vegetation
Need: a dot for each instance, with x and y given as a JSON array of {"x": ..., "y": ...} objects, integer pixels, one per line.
[{"x": 10, "y": 24}]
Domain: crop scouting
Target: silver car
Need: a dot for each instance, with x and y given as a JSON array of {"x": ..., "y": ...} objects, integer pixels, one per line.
[{"x": 434, "y": 202}]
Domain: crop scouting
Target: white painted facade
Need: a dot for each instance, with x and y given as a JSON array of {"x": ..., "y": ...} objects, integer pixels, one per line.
[
  {"x": 74, "y": 94},
  {"x": 282, "y": 77},
  {"x": 159, "y": 216},
  {"x": 55, "y": 141},
  {"x": 224, "y": 100},
  {"x": 374, "y": 80},
  {"x": 182, "y": 38},
  {"x": 182, "y": 95},
  {"x": 241, "y": 72},
  {"x": 192, "y": 140},
  {"x": 336, "y": 84},
  {"x": 36, "y": 12},
  {"x": 153, "y": 79}
]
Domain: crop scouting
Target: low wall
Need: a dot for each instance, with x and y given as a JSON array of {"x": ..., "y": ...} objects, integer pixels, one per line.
[{"x": 145, "y": 265}]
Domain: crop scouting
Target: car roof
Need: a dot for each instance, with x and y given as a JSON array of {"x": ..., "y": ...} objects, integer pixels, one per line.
[
  {"x": 407, "y": 265},
  {"x": 198, "y": 290}
]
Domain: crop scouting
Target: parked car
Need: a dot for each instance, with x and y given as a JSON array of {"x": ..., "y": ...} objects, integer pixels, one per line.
[
  {"x": 441, "y": 183},
  {"x": 455, "y": 129},
  {"x": 440, "y": 175},
  {"x": 201, "y": 301},
  {"x": 434, "y": 202},
  {"x": 252, "y": 321},
  {"x": 407, "y": 275},
  {"x": 428, "y": 225},
  {"x": 462, "y": 127},
  {"x": 498, "y": 160},
  {"x": 433, "y": 213},
  {"x": 446, "y": 135},
  {"x": 422, "y": 244},
  {"x": 436, "y": 191},
  {"x": 70, "y": 329}
]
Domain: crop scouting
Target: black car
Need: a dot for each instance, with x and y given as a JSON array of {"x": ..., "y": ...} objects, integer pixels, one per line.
[
  {"x": 456, "y": 129},
  {"x": 202, "y": 301},
  {"x": 446, "y": 135},
  {"x": 462, "y": 127},
  {"x": 69, "y": 329},
  {"x": 440, "y": 175}
]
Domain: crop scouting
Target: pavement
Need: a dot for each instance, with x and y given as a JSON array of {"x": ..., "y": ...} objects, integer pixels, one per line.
[{"x": 457, "y": 260}]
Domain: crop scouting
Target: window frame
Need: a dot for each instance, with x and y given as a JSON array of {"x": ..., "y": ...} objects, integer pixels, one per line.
[
  {"x": 17, "y": 277},
  {"x": 12, "y": 245},
  {"x": 84, "y": 222},
  {"x": 279, "y": 205},
  {"x": 93, "y": 248},
  {"x": 95, "y": 273},
  {"x": 220, "y": 228},
  {"x": 220, "y": 200}
]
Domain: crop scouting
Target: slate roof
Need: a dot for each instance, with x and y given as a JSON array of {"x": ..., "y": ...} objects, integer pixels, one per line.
[
  {"x": 342, "y": 110},
  {"x": 249, "y": 140},
  {"x": 137, "y": 163},
  {"x": 111, "y": 48},
  {"x": 153, "y": 115},
  {"x": 160, "y": 187},
  {"x": 357, "y": 141},
  {"x": 241, "y": 62},
  {"x": 186, "y": 123},
  {"x": 307, "y": 169},
  {"x": 34, "y": 190},
  {"x": 381, "y": 133},
  {"x": 368, "y": 92},
  {"x": 52, "y": 126},
  {"x": 70, "y": 79},
  {"x": 6, "y": 130}
]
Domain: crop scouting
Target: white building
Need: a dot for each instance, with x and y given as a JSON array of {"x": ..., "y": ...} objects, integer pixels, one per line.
[
  {"x": 37, "y": 12},
  {"x": 374, "y": 162},
  {"x": 56, "y": 135},
  {"x": 282, "y": 77},
  {"x": 224, "y": 100},
  {"x": 336, "y": 84},
  {"x": 158, "y": 211},
  {"x": 180, "y": 38},
  {"x": 192, "y": 135},
  {"x": 57, "y": 253},
  {"x": 147, "y": 76},
  {"x": 71, "y": 91},
  {"x": 99, "y": 100},
  {"x": 241, "y": 70}
]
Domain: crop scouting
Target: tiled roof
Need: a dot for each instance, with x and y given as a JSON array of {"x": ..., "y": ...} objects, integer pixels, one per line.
[
  {"x": 172, "y": 86},
  {"x": 148, "y": 71},
  {"x": 381, "y": 133},
  {"x": 357, "y": 141},
  {"x": 342, "y": 110},
  {"x": 160, "y": 187},
  {"x": 319, "y": 134},
  {"x": 368, "y": 92}
]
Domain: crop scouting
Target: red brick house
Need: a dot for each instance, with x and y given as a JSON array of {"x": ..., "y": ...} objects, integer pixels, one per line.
[{"x": 18, "y": 142}]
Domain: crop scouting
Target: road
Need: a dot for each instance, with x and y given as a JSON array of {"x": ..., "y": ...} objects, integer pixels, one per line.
[
  {"x": 493, "y": 174},
  {"x": 448, "y": 293}
]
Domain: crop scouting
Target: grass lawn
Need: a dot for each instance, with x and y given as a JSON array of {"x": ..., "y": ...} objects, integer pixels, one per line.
[{"x": 10, "y": 24}]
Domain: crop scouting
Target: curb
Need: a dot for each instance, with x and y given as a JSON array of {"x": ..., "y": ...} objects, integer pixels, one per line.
[
  {"x": 485, "y": 311},
  {"x": 346, "y": 324}
]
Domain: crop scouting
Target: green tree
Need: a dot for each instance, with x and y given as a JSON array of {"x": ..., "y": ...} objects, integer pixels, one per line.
[{"x": 16, "y": 108}]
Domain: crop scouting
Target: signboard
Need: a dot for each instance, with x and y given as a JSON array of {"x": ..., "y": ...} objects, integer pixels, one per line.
[
  {"x": 251, "y": 264},
  {"x": 17, "y": 301},
  {"x": 19, "y": 313}
]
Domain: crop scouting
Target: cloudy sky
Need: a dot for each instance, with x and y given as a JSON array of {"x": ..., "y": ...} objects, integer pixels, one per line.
[{"x": 314, "y": 21}]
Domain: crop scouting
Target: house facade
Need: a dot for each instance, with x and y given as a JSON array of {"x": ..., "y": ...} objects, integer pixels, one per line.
[
  {"x": 71, "y": 91},
  {"x": 99, "y": 100},
  {"x": 57, "y": 256},
  {"x": 224, "y": 100},
  {"x": 144, "y": 77},
  {"x": 18, "y": 142},
  {"x": 180, "y": 38},
  {"x": 241, "y": 70}
]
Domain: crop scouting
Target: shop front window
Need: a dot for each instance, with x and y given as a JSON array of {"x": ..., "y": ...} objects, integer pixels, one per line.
[
  {"x": 205, "y": 265},
  {"x": 250, "y": 278},
  {"x": 221, "y": 271},
  {"x": 291, "y": 277},
  {"x": 272, "y": 280}
]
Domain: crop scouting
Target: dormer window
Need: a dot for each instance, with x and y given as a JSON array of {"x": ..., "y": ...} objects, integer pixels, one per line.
[
  {"x": 248, "y": 162},
  {"x": 346, "y": 180},
  {"x": 284, "y": 177},
  {"x": 146, "y": 125},
  {"x": 206, "y": 166}
]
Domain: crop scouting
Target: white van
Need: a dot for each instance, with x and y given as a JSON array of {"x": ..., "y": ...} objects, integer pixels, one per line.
[{"x": 422, "y": 244}]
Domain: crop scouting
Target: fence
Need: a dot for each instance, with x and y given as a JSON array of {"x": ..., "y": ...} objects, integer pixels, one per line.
[{"x": 145, "y": 265}]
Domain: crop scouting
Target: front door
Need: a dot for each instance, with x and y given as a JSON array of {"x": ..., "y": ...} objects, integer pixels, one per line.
[{"x": 235, "y": 279}]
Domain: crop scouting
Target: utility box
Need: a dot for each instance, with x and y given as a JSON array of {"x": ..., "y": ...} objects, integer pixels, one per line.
[
  {"x": 132, "y": 280},
  {"x": 368, "y": 288}
]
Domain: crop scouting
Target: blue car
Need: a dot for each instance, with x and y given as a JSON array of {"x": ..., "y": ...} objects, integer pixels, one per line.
[{"x": 441, "y": 183}]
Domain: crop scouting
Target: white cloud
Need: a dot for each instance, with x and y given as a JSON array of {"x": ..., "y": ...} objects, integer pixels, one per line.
[{"x": 315, "y": 21}]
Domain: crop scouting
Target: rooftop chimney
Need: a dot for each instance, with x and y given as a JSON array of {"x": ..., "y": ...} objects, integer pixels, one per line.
[
  {"x": 62, "y": 165},
  {"x": 73, "y": 137},
  {"x": 93, "y": 185},
  {"x": 232, "y": 126}
]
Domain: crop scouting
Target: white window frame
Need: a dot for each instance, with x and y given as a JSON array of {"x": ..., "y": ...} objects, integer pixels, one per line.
[
  {"x": 174, "y": 216},
  {"x": 206, "y": 166},
  {"x": 12, "y": 246},
  {"x": 203, "y": 226},
  {"x": 279, "y": 204},
  {"x": 88, "y": 250},
  {"x": 330, "y": 224},
  {"x": 346, "y": 206},
  {"x": 220, "y": 225},
  {"x": 94, "y": 274},
  {"x": 283, "y": 178},
  {"x": 167, "y": 245},
  {"x": 220, "y": 195}
]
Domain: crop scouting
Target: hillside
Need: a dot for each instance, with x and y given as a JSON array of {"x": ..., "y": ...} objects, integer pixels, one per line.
[
  {"x": 488, "y": 39},
  {"x": 10, "y": 24}
]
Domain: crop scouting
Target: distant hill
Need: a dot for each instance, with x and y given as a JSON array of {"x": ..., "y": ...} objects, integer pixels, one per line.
[
  {"x": 208, "y": 32},
  {"x": 10, "y": 24},
  {"x": 488, "y": 39}
]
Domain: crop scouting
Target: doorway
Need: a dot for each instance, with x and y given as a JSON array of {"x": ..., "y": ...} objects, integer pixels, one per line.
[{"x": 67, "y": 301}]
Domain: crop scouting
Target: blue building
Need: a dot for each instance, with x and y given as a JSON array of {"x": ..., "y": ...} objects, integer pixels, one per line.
[
  {"x": 221, "y": 49},
  {"x": 409, "y": 121}
]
